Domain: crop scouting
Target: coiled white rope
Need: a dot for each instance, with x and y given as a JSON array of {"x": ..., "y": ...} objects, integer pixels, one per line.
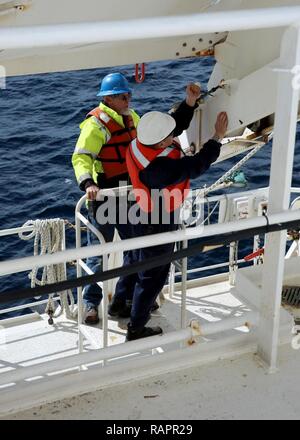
[{"x": 48, "y": 239}]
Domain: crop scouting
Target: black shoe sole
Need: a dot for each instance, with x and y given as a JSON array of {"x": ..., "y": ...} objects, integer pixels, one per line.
[
  {"x": 94, "y": 322},
  {"x": 144, "y": 334},
  {"x": 123, "y": 313}
]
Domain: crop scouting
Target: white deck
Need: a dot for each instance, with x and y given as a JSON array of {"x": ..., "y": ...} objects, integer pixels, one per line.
[
  {"x": 226, "y": 389},
  {"x": 33, "y": 340}
]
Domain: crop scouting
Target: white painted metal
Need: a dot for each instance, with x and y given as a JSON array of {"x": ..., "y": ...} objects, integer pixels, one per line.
[
  {"x": 59, "y": 387},
  {"x": 269, "y": 325},
  {"x": 249, "y": 319},
  {"x": 41, "y": 60},
  {"x": 79, "y": 274},
  {"x": 5, "y": 232},
  {"x": 21, "y": 264},
  {"x": 226, "y": 198},
  {"x": 238, "y": 56},
  {"x": 25, "y": 306},
  {"x": 230, "y": 388},
  {"x": 193, "y": 331},
  {"x": 158, "y": 27},
  {"x": 62, "y": 11},
  {"x": 97, "y": 356},
  {"x": 249, "y": 287},
  {"x": 257, "y": 89},
  {"x": 279, "y": 197},
  {"x": 213, "y": 266},
  {"x": 171, "y": 280},
  {"x": 293, "y": 250},
  {"x": 233, "y": 251},
  {"x": 183, "y": 286},
  {"x": 95, "y": 231}
]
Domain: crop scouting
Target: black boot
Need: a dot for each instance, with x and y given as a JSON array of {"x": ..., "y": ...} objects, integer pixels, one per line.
[
  {"x": 155, "y": 306},
  {"x": 119, "y": 308},
  {"x": 144, "y": 332}
]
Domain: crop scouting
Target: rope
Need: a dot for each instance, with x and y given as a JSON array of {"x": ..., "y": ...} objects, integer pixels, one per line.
[
  {"x": 210, "y": 92},
  {"x": 204, "y": 191},
  {"x": 48, "y": 239},
  {"x": 70, "y": 225}
]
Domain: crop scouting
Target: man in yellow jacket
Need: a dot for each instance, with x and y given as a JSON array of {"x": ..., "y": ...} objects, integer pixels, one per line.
[{"x": 99, "y": 161}]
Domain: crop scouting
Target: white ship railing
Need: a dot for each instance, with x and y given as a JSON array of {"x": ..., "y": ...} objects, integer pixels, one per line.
[
  {"x": 27, "y": 305},
  {"x": 154, "y": 27},
  {"x": 22, "y": 230},
  {"x": 80, "y": 263},
  {"x": 81, "y": 219},
  {"x": 192, "y": 331},
  {"x": 28, "y": 263},
  {"x": 187, "y": 335}
]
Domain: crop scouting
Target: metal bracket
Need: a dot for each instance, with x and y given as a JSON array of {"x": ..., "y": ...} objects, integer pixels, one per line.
[{"x": 14, "y": 6}]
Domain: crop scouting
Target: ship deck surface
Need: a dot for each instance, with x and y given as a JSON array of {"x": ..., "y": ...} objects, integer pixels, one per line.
[{"x": 227, "y": 388}]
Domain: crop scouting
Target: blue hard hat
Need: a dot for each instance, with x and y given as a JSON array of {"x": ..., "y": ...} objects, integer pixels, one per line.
[{"x": 113, "y": 84}]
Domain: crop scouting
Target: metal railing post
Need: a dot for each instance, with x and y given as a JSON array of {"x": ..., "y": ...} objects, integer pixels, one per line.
[
  {"x": 171, "y": 280},
  {"x": 183, "y": 288},
  {"x": 279, "y": 196},
  {"x": 79, "y": 274}
]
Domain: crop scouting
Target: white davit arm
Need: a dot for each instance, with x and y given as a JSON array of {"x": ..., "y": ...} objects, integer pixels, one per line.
[{"x": 149, "y": 28}]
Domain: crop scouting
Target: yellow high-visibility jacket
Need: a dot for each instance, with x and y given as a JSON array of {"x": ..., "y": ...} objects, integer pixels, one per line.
[{"x": 91, "y": 139}]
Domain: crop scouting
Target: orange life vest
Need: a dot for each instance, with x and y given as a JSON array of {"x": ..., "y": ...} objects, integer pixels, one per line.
[
  {"x": 113, "y": 154},
  {"x": 138, "y": 157}
]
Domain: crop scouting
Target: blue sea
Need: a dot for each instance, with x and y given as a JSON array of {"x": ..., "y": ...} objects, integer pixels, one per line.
[{"x": 40, "y": 117}]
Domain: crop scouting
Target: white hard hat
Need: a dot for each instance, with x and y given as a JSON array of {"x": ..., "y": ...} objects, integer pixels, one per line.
[{"x": 155, "y": 127}]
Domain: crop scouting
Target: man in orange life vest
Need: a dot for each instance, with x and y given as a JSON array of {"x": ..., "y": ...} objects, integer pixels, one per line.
[
  {"x": 154, "y": 163},
  {"x": 99, "y": 161}
]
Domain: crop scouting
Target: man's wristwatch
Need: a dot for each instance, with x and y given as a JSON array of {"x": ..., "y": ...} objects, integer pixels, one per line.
[{"x": 216, "y": 138}]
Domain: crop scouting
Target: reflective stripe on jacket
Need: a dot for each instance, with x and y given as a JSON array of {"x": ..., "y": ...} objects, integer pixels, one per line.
[
  {"x": 138, "y": 157},
  {"x": 113, "y": 153}
]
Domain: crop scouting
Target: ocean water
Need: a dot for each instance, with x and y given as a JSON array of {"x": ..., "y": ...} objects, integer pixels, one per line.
[{"x": 40, "y": 117}]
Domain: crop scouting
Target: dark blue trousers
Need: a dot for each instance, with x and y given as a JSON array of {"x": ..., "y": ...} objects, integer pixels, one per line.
[
  {"x": 92, "y": 294},
  {"x": 146, "y": 285}
]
